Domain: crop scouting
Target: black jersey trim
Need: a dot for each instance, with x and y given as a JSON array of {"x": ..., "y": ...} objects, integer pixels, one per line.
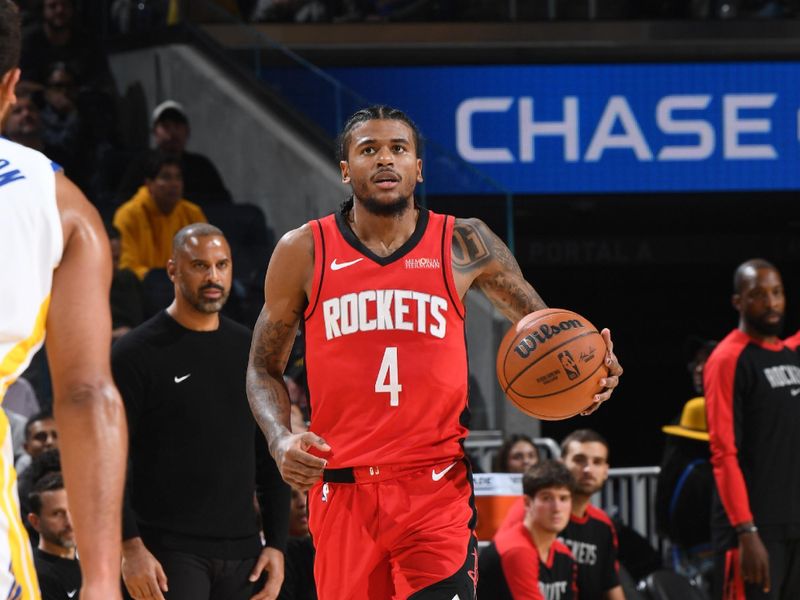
[
  {"x": 449, "y": 265},
  {"x": 408, "y": 246},
  {"x": 321, "y": 272}
]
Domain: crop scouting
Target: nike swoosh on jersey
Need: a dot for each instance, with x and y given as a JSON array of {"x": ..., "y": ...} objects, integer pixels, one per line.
[
  {"x": 336, "y": 266},
  {"x": 184, "y": 378},
  {"x": 72, "y": 593},
  {"x": 795, "y": 391},
  {"x": 437, "y": 476}
]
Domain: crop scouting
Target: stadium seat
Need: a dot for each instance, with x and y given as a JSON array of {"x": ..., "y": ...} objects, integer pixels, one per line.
[
  {"x": 669, "y": 585},
  {"x": 246, "y": 230},
  {"x": 158, "y": 291},
  {"x": 251, "y": 241}
]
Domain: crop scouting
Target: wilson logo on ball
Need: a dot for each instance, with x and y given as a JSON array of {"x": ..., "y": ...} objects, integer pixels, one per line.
[
  {"x": 545, "y": 332},
  {"x": 551, "y": 363}
]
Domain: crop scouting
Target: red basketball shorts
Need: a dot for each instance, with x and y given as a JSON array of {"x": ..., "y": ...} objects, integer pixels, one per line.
[{"x": 395, "y": 533}]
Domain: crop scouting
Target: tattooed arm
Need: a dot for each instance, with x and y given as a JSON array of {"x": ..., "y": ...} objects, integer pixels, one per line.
[
  {"x": 483, "y": 261},
  {"x": 286, "y": 291}
]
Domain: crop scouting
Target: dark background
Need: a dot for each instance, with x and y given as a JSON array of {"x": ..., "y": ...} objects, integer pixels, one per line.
[{"x": 656, "y": 270}]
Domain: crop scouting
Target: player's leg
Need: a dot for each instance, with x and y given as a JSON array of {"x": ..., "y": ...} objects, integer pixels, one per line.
[
  {"x": 231, "y": 579},
  {"x": 349, "y": 564},
  {"x": 17, "y": 574},
  {"x": 461, "y": 585},
  {"x": 428, "y": 520}
]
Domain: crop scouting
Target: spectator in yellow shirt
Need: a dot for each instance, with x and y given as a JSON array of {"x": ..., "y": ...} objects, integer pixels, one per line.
[{"x": 148, "y": 221}]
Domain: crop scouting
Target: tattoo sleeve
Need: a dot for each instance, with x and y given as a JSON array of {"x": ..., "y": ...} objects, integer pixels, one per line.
[
  {"x": 480, "y": 254},
  {"x": 266, "y": 391}
]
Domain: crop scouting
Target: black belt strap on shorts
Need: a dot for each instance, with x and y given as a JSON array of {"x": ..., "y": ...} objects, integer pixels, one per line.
[{"x": 338, "y": 475}]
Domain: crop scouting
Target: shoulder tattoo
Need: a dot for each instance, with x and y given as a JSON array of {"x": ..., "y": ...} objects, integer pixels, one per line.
[{"x": 469, "y": 246}]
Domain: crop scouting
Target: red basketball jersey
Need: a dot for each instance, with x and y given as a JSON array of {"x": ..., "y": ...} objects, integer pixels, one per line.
[{"x": 386, "y": 354}]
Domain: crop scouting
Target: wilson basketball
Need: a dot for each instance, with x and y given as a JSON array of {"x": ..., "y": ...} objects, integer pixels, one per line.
[{"x": 550, "y": 364}]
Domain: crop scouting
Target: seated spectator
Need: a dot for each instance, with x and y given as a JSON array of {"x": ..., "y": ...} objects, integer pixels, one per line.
[
  {"x": 23, "y": 124},
  {"x": 527, "y": 560},
  {"x": 57, "y": 39},
  {"x": 202, "y": 182},
  {"x": 683, "y": 493},
  {"x": 48, "y": 461},
  {"x": 20, "y": 403},
  {"x": 590, "y": 533},
  {"x": 60, "y": 118},
  {"x": 298, "y": 583},
  {"x": 148, "y": 221},
  {"x": 56, "y": 562},
  {"x": 517, "y": 454},
  {"x": 21, "y": 399},
  {"x": 41, "y": 434},
  {"x": 127, "y": 299}
]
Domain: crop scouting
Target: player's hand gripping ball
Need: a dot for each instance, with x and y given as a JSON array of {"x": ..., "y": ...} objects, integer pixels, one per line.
[{"x": 550, "y": 364}]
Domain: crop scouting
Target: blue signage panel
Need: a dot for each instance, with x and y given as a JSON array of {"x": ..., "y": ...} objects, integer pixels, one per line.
[{"x": 604, "y": 128}]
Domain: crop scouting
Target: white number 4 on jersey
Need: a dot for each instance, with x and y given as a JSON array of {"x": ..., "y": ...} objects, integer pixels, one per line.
[{"x": 387, "y": 380}]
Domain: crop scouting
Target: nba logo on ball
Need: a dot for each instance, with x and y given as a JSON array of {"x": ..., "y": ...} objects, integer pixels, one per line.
[
  {"x": 567, "y": 362},
  {"x": 537, "y": 366}
]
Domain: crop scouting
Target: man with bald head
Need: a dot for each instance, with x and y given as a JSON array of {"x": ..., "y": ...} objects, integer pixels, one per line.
[
  {"x": 752, "y": 385},
  {"x": 189, "y": 524}
]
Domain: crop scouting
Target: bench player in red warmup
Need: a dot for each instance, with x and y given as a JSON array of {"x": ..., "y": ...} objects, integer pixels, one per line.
[{"x": 380, "y": 286}]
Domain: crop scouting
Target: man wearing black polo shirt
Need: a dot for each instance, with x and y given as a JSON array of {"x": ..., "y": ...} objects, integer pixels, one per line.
[
  {"x": 527, "y": 561},
  {"x": 56, "y": 562},
  {"x": 189, "y": 523},
  {"x": 752, "y": 383}
]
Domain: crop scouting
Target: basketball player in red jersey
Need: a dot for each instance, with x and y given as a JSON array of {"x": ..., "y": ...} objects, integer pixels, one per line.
[{"x": 380, "y": 287}]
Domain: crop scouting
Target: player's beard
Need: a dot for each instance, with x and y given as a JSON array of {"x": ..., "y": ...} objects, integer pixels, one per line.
[
  {"x": 765, "y": 328},
  {"x": 204, "y": 305},
  {"x": 393, "y": 208}
]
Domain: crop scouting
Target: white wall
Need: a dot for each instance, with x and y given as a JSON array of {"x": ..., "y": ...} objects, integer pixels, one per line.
[{"x": 261, "y": 160}]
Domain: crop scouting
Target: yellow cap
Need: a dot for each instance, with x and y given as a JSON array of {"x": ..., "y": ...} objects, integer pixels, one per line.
[{"x": 693, "y": 421}]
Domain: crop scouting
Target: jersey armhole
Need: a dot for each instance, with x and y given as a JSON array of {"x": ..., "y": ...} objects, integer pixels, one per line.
[
  {"x": 319, "y": 267},
  {"x": 447, "y": 266}
]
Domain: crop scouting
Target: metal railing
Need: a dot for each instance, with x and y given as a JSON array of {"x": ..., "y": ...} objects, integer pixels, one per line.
[
  {"x": 482, "y": 446},
  {"x": 630, "y": 495}
]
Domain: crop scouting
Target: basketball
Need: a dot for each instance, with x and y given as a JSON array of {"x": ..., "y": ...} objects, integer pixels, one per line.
[{"x": 550, "y": 364}]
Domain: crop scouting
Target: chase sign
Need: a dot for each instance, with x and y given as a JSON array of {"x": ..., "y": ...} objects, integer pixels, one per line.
[{"x": 604, "y": 128}]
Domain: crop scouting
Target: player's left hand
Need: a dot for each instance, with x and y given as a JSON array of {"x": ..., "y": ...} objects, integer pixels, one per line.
[
  {"x": 612, "y": 379},
  {"x": 271, "y": 561}
]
